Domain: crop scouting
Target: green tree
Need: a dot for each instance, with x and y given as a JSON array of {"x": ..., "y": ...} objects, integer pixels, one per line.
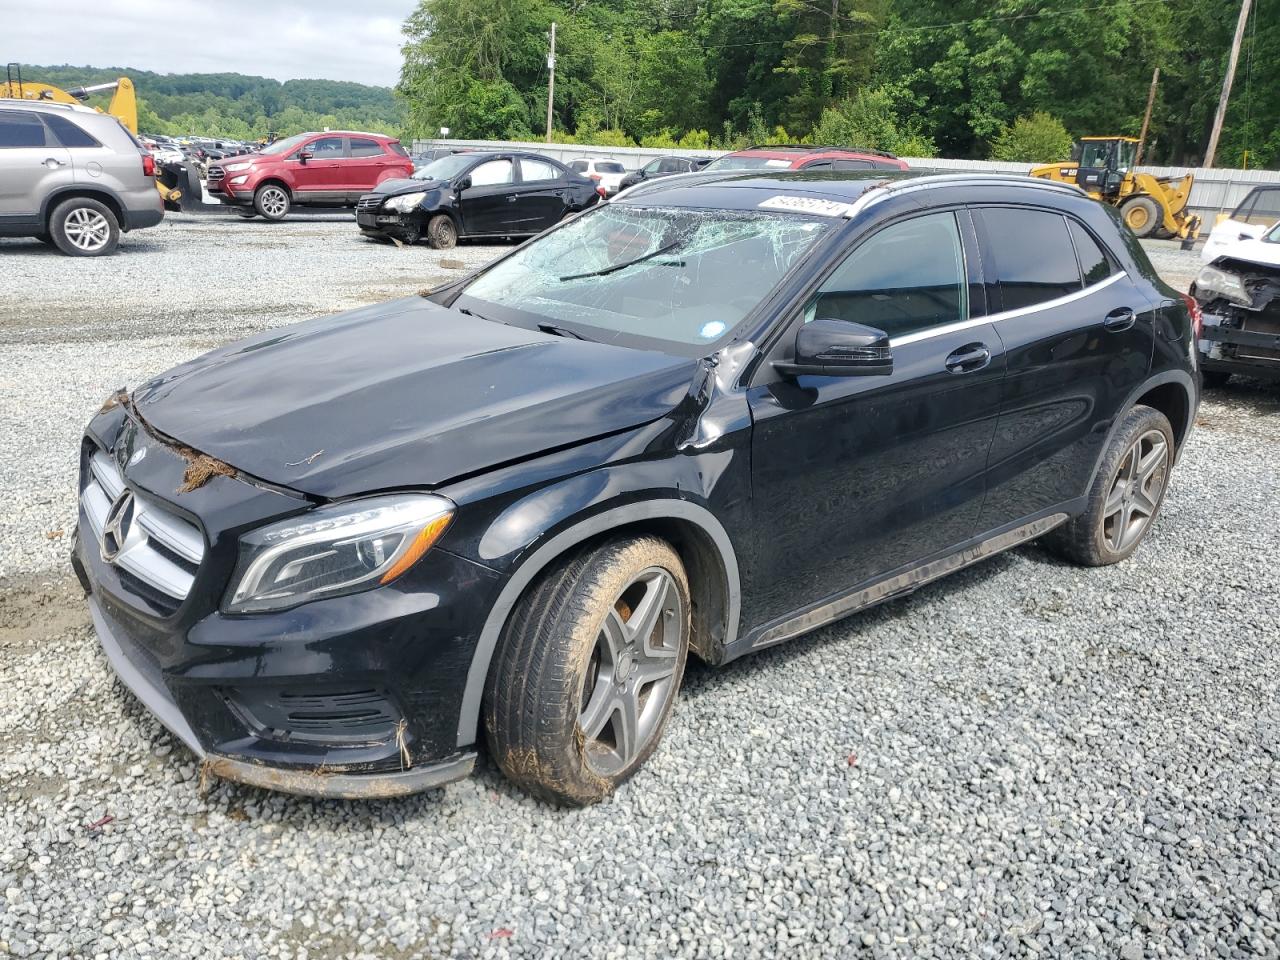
[{"x": 1039, "y": 138}]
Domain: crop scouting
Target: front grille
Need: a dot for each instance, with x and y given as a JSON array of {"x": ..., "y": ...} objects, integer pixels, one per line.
[
  {"x": 369, "y": 203},
  {"x": 216, "y": 174},
  {"x": 155, "y": 551}
]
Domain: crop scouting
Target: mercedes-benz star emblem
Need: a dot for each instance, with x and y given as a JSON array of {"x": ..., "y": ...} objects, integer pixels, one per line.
[{"x": 116, "y": 529}]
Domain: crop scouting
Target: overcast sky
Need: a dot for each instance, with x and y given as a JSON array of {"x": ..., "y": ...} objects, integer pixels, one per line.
[{"x": 286, "y": 39}]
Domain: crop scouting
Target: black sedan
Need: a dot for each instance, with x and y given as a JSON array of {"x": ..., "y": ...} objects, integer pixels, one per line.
[
  {"x": 709, "y": 416},
  {"x": 663, "y": 167},
  {"x": 469, "y": 195}
]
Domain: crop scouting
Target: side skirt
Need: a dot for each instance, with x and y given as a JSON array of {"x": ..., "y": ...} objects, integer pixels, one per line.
[{"x": 898, "y": 584}]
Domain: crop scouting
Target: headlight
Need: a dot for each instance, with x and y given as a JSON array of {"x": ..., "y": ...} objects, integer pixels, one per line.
[
  {"x": 334, "y": 550},
  {"x": 236, "y": 181},
  {"x": 1224, "y": 284},
  {"x": 245, "y": 165},
  {"x": 405, "y": 202}
]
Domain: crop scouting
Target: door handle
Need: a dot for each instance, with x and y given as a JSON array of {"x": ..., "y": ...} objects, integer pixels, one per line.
[
  {"x": 513, "y": 198},
  {"x": 967, "y": 359},
  {"x": 1122, "y": 318},
  {"x": 52, "y": 162}
]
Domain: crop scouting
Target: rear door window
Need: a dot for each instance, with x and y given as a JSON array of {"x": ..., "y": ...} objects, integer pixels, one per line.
[
  {"x": 363, "y": 147},
  {"x": 69, "y": 134},
  {"x": 1033, "y": 255},
  {"x": 531, "y": 171},
  {"x": 578, "y": 166},
  {"x": 18, "y": 128},
  {"x": 907, "y": 278}
]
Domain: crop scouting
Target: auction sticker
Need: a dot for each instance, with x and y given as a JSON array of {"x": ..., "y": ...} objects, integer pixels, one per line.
[{"x": 823, "y": 208}]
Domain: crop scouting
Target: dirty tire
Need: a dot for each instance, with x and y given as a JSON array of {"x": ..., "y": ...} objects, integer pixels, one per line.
[
  {"x": 1087, "y": 539},
  {"x": 1214, "y": 379},
  {"x": 1141, "y": 215},
  {"x": 81, "y": 227},
  {"x": 548, "y": 674},
  {"x": 245, "y": 213},
  {"x": 272, "y": 202},
  {"x": 441, "y": 233}
]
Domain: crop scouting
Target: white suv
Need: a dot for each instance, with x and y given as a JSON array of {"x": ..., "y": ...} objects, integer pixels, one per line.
[
  {"x": 607, "y": 173},
  {"x": 73, "y": 177}
]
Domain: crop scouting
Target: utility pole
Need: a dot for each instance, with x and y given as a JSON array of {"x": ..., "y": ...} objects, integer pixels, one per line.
[
  {"x": 1226, "y": 85},
  {"x": 551, "y": 85},
  {"x": 1146, "y": 117}
]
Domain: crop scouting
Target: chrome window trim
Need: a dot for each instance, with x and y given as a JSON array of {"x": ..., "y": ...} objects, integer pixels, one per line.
[{"x": 1056, "y": 302}]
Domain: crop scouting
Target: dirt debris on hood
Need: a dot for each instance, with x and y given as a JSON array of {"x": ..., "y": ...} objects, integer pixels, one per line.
[{"x": 201, "y": 468}]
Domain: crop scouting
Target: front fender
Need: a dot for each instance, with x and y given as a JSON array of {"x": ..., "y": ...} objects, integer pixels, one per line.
[{"x": 534, "y": 559}]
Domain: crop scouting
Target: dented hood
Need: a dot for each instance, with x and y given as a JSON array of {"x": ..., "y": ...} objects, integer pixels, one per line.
[{"x": 403, "y": 394}]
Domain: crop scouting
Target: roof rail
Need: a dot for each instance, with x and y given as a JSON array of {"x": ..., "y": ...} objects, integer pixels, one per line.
[
  {"x": 818, "y": 147},
  {"x": 1010, "y": 179}
]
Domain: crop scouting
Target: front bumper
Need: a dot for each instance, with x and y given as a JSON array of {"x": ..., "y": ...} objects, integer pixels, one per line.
[
  {"x": 381, "y": 223},
  {"x": 1241, "y": 341},
  {"x": 146, "y": 683},
  {"x": 353, "y": 696}
]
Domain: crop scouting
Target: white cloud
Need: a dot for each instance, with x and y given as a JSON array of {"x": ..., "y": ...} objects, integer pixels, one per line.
[{"x": 284, "y": 39}]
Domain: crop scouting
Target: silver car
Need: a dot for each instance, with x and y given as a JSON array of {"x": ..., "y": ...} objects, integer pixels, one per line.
[{"x": 73, "y": 177}]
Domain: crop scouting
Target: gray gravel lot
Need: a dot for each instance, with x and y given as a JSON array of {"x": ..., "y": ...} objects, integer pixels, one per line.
[{"x": 1027, "y": 759}]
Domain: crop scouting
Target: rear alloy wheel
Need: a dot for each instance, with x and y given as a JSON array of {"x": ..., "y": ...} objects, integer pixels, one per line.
[
  {"x": 272, "y": 201},
  {"x": 441, "y": 233},
  {"x": 588, "y": 670},
  {"x": 1126, "y": 494},
  {"x": 81, "y": 227},
  {"x": 1141, "y": 215}
]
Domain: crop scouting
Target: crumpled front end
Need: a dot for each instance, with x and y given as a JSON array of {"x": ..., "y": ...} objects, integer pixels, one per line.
[
  {"x": 349, "y": 696},
  {"x": 1239, "y": 336}
]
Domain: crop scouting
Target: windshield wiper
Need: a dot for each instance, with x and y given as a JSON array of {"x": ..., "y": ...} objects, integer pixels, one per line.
[
  {"x": 627, "y": 263},
  {"x": 552, "y": 329}
]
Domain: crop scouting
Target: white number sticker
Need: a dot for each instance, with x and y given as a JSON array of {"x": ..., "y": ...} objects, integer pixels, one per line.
[{"x": 823, "y": 208}]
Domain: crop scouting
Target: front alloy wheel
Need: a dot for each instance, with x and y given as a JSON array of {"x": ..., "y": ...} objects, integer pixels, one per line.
[
  {"x": 588, "y": 669},
  {"x": 272, "y": 201},
  {"x": 631, "y": 676}
]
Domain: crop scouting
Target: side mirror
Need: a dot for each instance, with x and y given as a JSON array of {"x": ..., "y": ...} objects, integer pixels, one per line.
[
  {"x": 827, "y": 347},
  {"x": 462, "y": 183},
  {"x": 304, "y": 156}
]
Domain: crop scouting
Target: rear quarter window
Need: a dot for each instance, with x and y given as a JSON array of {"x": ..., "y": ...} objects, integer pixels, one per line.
[
  {"x": 1095, "y": 264},
  {"x": 69, "y": 133}
]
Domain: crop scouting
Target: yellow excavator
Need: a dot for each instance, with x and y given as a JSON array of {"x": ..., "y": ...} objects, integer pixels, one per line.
[
  {"x": 171, "y": 179},
  {"x": 1151, "y": 206}
]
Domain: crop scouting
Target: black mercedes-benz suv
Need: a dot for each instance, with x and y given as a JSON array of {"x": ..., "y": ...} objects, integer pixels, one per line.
[{"x": 715, "y": 414}]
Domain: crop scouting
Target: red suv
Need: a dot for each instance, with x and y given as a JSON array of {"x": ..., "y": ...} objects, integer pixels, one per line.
[
  {"x": 806, "y": 157},
  {"x": 331, "y": 169}
]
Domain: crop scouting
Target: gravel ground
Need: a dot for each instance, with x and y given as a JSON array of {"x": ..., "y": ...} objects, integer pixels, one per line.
[{"x": 1090, "y": 771}]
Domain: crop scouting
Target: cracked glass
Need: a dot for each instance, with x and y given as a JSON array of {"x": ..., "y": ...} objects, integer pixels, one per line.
[{"x": 681, "y": 276}]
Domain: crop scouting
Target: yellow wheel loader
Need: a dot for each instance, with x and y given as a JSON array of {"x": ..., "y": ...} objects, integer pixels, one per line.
[
  {"x": 1151, "y": 206},
  {"x": 171, "y": 179}
]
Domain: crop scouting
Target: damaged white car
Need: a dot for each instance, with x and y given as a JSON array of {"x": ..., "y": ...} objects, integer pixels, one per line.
[{"x": 1239, "y": 294}]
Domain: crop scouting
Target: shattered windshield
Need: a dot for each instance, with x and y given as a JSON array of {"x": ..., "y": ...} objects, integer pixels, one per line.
[{"x": 676, "y": 275}]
